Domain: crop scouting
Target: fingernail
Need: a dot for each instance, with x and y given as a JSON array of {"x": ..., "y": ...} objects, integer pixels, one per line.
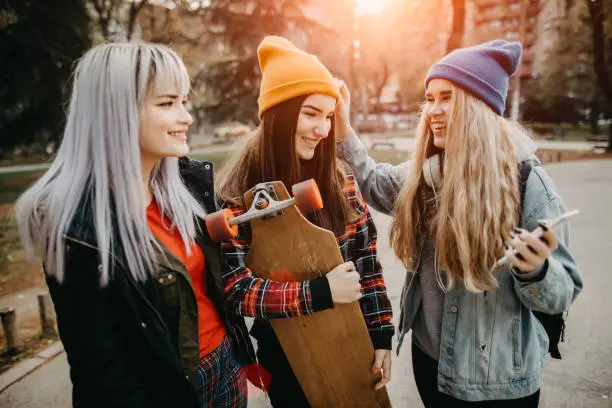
[
  {"x": 544, "y": 240},
  {"x": 543, "y": 226},
  {"x": 506, "y": 247},
  {"x": 533, "y": 251},
  {"x": 512, "y": 235},
  {"x": 518, "y": 230},
  {"x": 520, "y": 257}
]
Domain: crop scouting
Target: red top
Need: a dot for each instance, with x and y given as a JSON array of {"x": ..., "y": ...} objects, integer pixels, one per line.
[{"x": 210, "y": 327}]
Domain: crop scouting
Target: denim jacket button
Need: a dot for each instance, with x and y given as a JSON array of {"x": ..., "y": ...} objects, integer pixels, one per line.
[
  {"x": 453, "y": 309},
  {"x": 143, "y": 325},
  {"x": 161, "y": 280},
  {"x": 170, "y": 276}
]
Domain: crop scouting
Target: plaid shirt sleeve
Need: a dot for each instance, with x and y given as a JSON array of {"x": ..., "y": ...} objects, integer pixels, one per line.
[
  {"x": 250, "y": 296},
  {"x": 358, "y": 244}
]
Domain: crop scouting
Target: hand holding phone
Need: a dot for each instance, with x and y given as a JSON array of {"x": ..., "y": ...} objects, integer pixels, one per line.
[{"x": 538, "y": 232}]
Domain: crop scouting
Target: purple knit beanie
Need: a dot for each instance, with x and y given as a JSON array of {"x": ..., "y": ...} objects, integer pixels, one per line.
[{"x": 483, "y": 70}]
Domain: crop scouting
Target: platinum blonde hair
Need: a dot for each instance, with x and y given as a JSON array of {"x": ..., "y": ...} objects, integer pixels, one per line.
[
  {"x": 472, "y": 214},
  {"x": 99, "y": 160}
]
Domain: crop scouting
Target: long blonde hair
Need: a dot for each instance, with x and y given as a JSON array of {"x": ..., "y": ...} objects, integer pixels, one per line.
[{"x": 472, "y": 213}]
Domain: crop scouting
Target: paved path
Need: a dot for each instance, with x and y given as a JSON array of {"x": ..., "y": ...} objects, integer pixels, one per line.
[{"x": 583, "y": 379}]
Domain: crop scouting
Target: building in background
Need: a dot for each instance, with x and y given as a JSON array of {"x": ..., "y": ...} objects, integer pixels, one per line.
[{"x": 532, "y": 22}]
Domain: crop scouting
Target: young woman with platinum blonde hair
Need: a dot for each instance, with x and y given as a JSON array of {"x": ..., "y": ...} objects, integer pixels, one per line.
[
  {"x": 458, "y": 206},
  {"x": 117, "y": 219}
]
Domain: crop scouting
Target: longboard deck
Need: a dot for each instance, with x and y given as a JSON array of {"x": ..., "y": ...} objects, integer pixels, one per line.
[{"x": 330, "y": 352}]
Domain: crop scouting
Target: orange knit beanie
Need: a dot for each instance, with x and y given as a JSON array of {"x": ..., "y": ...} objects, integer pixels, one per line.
[{"x": 287, "y": 72}]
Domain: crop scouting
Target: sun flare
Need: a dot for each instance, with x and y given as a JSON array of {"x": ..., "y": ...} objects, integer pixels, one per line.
[{"x": 369, "y": 6}]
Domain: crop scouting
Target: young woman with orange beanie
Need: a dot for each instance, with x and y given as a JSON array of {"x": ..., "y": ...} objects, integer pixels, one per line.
[
  {"x": 471, "y": 194},
  {"x": 295, "y": 142}
]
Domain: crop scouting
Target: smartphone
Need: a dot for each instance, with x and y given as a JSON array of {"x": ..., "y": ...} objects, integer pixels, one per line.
[{"x": 538, "y": 231}]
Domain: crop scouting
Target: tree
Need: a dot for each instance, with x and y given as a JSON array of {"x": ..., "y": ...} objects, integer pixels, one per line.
[
  {"x": 218, "y": 40},
  {"x": 428, "y": 43},
  {"x": 566, "y": 88},
  {"x": 455, "y": 38},
  {"x": 39, "y": 42},
  {"x": 377, "y": 80},
  {"x": 600, "y": 20},
  {"x": 116, "y": 19},
  {"x": 376, "y": 55},
  {"x": 233, "y": 77}
]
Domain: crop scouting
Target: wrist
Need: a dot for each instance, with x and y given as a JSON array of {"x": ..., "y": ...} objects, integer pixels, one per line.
[
  {"x": 343, "y": 130},
  {"x": 532, "y": 276}
]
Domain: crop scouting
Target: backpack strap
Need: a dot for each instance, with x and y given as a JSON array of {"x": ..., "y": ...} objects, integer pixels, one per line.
[{"x": 525, "y": 168}]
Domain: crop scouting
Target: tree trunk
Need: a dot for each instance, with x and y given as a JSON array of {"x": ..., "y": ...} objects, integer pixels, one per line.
[
  {"x": 381, "y": 84},
  {"x": 609, "y": 148},
  {"x": 594, "y": 116},
  {"x": 133, "y": 14},
  {"x": 596, "y": 17},
  {"x": 455, "y": 40}
]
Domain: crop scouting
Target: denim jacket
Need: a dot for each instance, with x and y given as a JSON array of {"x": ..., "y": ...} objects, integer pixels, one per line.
[{"x": 492, "y": 347}]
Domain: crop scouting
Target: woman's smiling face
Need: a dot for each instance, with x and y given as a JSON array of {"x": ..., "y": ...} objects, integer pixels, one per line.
[
  {"x": 437, "y": 107},
  {"x": 314, "y": 124}
]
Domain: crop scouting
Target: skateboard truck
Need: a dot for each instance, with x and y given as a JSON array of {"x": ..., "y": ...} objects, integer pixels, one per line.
[
  {"x": 263, "y": 205},
  {"x": 222, "y": 225}
]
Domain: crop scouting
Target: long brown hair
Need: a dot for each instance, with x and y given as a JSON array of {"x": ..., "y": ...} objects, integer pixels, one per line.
[
  {"x": 270, "y": 155},
  {"x": 473, "y": 212}
]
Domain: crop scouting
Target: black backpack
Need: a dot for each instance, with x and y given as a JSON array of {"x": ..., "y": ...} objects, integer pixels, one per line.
[{"x": 553, "y": 324}]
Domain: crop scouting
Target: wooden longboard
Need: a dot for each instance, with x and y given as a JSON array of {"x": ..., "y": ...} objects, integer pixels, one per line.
[{"x": 330, "y": 352}]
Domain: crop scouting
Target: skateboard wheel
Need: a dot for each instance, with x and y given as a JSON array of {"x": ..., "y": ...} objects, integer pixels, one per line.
[
  {"x": 261, "y": 203},
  {"x": 307, "y": 196},
  {"x": 218, "y": 226}
]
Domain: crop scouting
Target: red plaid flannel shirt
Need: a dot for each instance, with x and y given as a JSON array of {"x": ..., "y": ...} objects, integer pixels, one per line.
[{"x": 250, "y": 296}]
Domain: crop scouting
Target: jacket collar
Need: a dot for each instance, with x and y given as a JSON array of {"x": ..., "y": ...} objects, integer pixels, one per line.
[{"x": 199, "y": 178}]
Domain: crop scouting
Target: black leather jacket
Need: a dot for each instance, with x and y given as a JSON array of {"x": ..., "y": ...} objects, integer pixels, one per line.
[{"x": 124, "y": 345}]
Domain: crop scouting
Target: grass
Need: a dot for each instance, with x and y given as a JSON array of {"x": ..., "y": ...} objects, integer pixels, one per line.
[
  {"x": 576, "y": 135},
  {"x": 573, "y": 133},
  {"x": 13, "y": 184},
  {"x": 9, "y": 240}
]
